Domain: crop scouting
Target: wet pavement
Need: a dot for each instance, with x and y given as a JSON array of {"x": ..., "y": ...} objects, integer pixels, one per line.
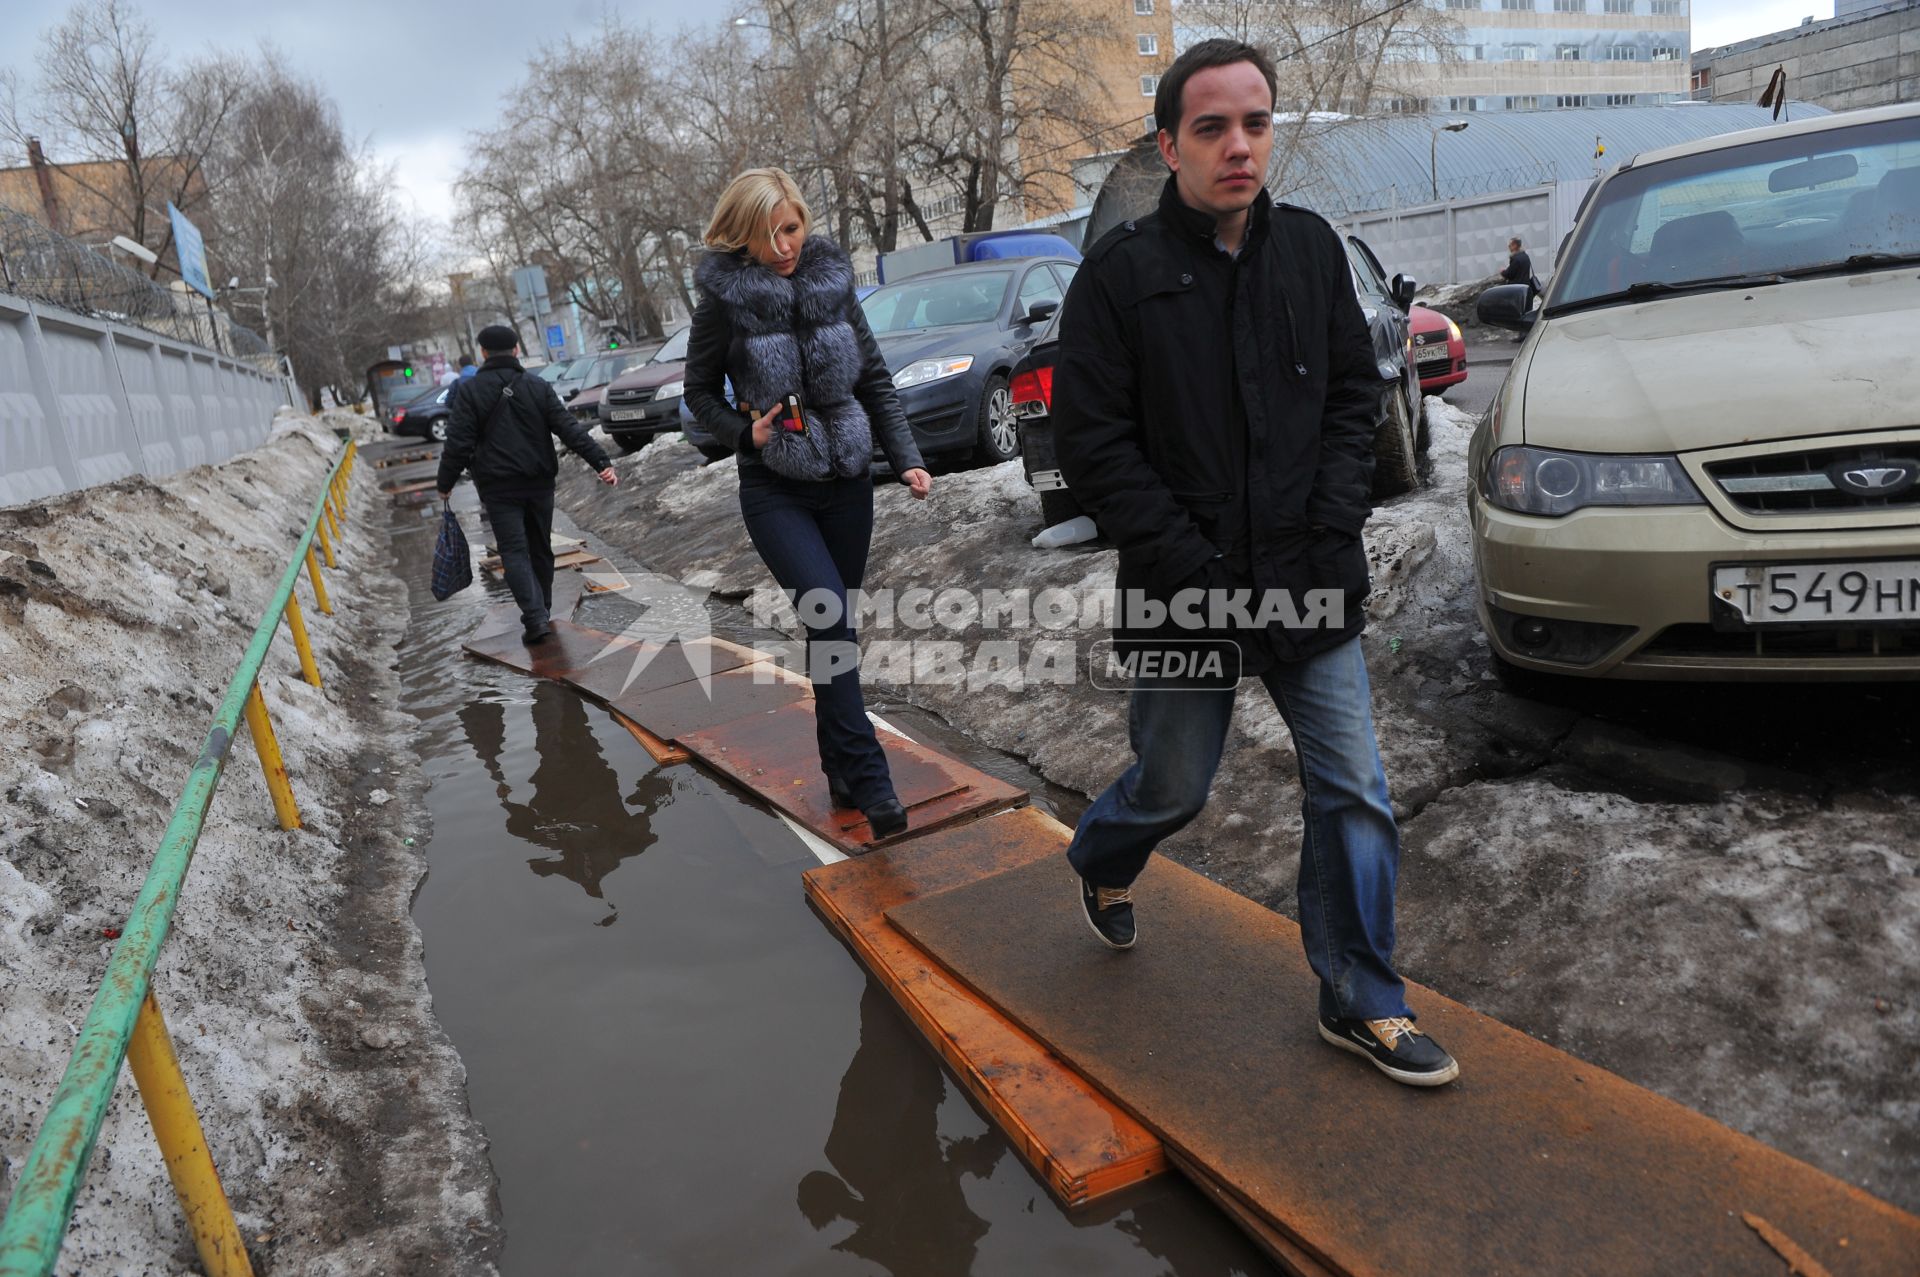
[{"x": 680, "y": 1068}]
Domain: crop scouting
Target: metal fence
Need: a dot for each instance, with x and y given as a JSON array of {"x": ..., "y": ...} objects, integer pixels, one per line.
[{"x": 42, "y": 265}]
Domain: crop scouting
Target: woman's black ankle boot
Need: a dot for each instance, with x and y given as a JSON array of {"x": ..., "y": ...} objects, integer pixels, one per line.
[
  {"x": 838, "y": 793},
  {"x": 886, "y": 818}
]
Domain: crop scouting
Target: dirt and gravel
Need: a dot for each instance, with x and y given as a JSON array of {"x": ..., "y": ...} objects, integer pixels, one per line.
[
  {"x": 292, "y": 982},
  {"x": 1714, "y": 891}
]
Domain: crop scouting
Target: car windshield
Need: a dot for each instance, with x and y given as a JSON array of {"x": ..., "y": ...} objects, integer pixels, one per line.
[
  {"x": 1838, "y": 199},
  {"x": 554, "y": 372},
  {"x": 675, "y": 349},
  {"x": 972, "y": 298}
]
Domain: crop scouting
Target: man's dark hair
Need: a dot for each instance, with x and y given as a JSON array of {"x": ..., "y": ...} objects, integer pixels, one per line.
[
  {"x": 466, "y": 361},
  {"x": 1167, "y": 104},
  {"x": 1515, "y": 241}
]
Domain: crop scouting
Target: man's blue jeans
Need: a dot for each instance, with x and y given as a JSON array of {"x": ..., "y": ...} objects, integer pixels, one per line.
[{"x": 1350, "y": 843}]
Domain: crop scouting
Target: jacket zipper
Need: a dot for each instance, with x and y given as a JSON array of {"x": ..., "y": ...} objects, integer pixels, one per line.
[{"x": 1293, "y": 335}]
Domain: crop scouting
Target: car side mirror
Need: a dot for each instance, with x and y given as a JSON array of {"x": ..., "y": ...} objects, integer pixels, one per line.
[
  {"x": 1404, "y": 287},
  {"x": 1507, "y": 306},
  {"x": 1040, "y": 311}
]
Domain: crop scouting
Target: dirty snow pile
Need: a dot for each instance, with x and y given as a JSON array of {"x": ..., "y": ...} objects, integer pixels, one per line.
[{"x": 291, "y": 982}]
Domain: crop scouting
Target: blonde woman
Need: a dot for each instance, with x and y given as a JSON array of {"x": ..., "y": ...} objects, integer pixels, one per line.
[{"x": 812, "y": 396}]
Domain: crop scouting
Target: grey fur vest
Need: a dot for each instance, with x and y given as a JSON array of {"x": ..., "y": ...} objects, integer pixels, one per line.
[{"x": 798, "y": 338}]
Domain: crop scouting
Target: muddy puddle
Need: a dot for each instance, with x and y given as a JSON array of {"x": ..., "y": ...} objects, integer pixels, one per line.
[{"x": 679, "y": 1067}]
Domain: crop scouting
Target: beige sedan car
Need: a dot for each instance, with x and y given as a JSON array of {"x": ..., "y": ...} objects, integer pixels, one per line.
[{"x": 1705, "y": 460}]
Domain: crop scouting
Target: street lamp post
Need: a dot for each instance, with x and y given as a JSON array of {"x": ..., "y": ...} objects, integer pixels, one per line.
[{"x": 1433, "y": 152}]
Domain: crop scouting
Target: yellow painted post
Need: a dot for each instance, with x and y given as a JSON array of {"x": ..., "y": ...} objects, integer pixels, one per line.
[
  {"x": 325, "y": 545},
  {"x": 327, "y": 508},
  {"x": 184, "y": 1145},
  {"x": 298, "y": 625},
  {"x": 319, "y": 586},
  {"x": 271, "y": 764}
]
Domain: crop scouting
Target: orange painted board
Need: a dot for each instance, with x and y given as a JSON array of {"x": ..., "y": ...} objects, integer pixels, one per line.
[
  {"x": 1533, "y": 1160},
  {"x": 1079, "y": 1144},
  {"x": 662, "y": 752},
  {"x": 777, "y": 756}
]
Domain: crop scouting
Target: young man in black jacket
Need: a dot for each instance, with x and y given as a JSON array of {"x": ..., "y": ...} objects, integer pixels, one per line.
[
  {"x": 1215, "y": 403},
  {"x": 500, "y": 424}
]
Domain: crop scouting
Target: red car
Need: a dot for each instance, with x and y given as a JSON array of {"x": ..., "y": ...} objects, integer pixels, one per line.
[{"x": 1439, "y": 351}]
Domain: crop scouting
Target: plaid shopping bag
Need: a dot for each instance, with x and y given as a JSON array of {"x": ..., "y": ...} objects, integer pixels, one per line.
[{"x": 452, "y": 566}]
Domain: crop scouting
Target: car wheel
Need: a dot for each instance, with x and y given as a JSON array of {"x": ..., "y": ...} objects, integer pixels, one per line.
[
  {"x": 1516, "y": 680},
  {"x": 1421, "y": 436},
  {"x": 627, "y": 444},
  {"x": 999, "y": 428},
  {"x": 438, "y": 430},
  {"x": 1396, "y": 467}
]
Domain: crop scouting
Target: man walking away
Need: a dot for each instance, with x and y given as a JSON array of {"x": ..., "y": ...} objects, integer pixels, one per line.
[
  {"x": 1218, "y": 394},
  {"x": 500, "y": 425},
  {"x": 1520, "y": 269}
]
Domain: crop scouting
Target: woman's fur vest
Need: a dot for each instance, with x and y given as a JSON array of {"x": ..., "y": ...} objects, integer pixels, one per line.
[{"x": 797, "y": 337}]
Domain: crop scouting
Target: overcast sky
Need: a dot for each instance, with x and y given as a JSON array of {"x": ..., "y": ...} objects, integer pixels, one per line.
[{"x": 413, "y": 86}]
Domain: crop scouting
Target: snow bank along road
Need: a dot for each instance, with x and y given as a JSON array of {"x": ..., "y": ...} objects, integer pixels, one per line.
[{"x": 292, "y": 980}]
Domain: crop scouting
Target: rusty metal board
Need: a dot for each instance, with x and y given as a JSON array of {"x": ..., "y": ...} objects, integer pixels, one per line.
[
  {"x": 1532, "y": 1161},
  {"x": 569, "y": 647},
  {"x": 1077, "y": 1142},
  {"x": 671, "y": 713},
  {"x": 652, "y": 666},
  {"x": 1286, "y": 1253},
  {"x": 777, "y": 756}
]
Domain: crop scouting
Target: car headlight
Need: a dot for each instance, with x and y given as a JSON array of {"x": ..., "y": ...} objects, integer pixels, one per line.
[
  {"x": 919, "y": 374},
  {"x": 672, "y": 390},
  {"x": 1453, "y": 332},
  {"x": 1542, "y": 481}
]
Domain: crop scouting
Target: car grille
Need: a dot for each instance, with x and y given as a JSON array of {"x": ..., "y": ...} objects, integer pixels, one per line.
[
  {"x": 1803, "y": 482},
  {"x": 1704, "y": 640},
  {"x": 629, "y": 396}
]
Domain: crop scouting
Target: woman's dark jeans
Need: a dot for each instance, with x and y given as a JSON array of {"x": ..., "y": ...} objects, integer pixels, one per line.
[{"x": 815, "y": 536}]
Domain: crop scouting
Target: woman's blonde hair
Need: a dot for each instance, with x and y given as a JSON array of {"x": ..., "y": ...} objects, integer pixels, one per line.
[{"x": 744, "y": 215}]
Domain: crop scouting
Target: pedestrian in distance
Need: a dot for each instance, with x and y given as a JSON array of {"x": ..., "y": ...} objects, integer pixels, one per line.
[
  {"x": 1216, "y": 403},
  {"x": 778, "y": 318},
  {"x": 467, "y": 368},
  {"x": 500, "y": 427},
  {"x": 1519, "y": 270}
]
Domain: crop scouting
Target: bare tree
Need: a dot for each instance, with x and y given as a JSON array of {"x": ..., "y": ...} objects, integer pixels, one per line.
[{"x": 139, "y": 130}]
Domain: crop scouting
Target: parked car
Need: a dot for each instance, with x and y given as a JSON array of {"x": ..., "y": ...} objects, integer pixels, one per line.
[
  {"x": 1439, "y": 351},
  {"x": 645, "y": 402},
  {"x": 551, "y": 373},
  {"x": 425, "y": 415},
  {"x": 597, "y": 370},
  {"x": 1705, "y": 460},
  {"x": 1397, "y": 440},
  {"x": 952, "y": 338}
]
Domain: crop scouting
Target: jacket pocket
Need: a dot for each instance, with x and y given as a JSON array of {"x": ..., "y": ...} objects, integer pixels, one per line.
[{"x": 1212, "y": 513}]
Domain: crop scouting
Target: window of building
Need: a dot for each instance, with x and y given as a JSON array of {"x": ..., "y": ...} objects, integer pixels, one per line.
[
  {"x": 1526, "y": 5},
  {"x": 1142, "y": 8},
  {"x": 1522, "y": 53},
  {"x": 1622, "y": 99},
  {"x": 1471, "y": 52},
  {"x": 1566, "y": 52},
  {"x": 1147, "y": 123},
  {"x": 1570, "y": 99},
  {"x": 1463, "y": 4},
  {"x": 1569, "y": 6},
  {"x": 1524, "y": 102},
  {"x": 1667, "y": 53},
  {"x": 1406, "y": 106},
  {"x": 1149, "y": 45},
  {"x": 1149, "y": 85},
  {"x": 1622, "y": 53},
  {"x": 1616, "y": 6},
  {"x": 1668, "y": 8}
]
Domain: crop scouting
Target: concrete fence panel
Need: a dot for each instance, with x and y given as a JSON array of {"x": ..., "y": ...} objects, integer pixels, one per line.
[
  {"x": 85, "y": 401},
  {"x": 92, "y": 402}
]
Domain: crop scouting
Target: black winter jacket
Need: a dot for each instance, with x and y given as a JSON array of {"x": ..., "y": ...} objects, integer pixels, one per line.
[
  {"x": 805, "y": 335},
  {"x": 500, "y": 425},
  {"x": 1216, "y": 414}
]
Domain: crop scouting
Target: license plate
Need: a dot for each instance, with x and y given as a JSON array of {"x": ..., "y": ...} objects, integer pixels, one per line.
[
  {"x": 626, "y": 414},
  {"x": 1779, "y": 593},
  {"x": 1430, "y": 354}
]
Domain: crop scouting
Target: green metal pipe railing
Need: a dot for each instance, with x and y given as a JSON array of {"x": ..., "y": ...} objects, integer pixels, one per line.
[{"x": 43, "y": 1197}]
